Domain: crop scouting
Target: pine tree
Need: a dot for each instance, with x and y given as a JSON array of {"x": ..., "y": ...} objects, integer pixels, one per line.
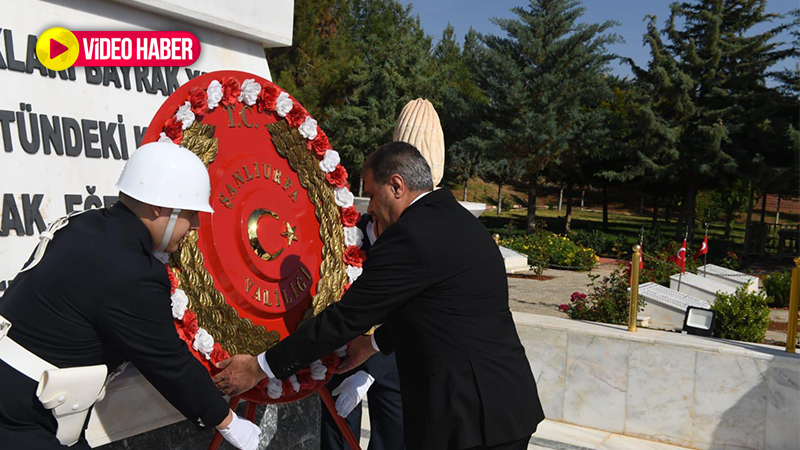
[
  {"x": 390, "y": 68},
  {"x": 708, "y": 82},
  {"x": 538, "y": 78}
]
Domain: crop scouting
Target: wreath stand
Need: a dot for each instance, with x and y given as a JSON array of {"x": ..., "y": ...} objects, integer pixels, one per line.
[{"x": 327, "y": 399}]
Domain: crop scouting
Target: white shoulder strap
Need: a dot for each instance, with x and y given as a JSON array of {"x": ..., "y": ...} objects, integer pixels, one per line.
[{"x": 46, "y": 236}]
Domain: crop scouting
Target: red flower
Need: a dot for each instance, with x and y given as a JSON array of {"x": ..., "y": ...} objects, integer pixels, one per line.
[
  {"x": 266, "y": 98},
  {"x": 338, "y": 177},
  {"x": 353, "y": 256},
  {"x": 173, "y": 128},
  {"x": 297, "y": 115},
  {"x": 218, "y": 354},
  {"x": 320, "y": 144},
  {"x": 173, "y": 280},
  {"x": 199, "y": 99},
  {"x": 231, "y": 88},
  {"x": 563, "y": 307},
  {"x": 190, "y": 325},
  {"x": 350, "y": 216},
  {"x": 306, "y": 382}
]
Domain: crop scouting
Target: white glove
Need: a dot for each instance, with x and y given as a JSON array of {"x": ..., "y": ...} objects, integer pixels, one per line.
[
  {"x": 352, "y": 390},
  {"x": 241, "y": 433}
]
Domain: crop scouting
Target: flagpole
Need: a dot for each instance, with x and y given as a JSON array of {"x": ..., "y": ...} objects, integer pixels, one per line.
[
  {"x": 705, "y": 255},
  {"x": 680, "y": 275}
]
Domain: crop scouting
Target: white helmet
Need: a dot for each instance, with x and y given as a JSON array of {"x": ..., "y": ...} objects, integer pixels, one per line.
[{"x": 167, "y": 175}]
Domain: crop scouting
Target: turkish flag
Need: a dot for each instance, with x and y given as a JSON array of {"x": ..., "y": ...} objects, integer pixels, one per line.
[
  {"x": 682, "y": 257},
  {"x": 703, "y": 248}
]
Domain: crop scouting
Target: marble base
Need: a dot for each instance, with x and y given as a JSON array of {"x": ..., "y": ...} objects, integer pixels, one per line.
[
  {"x": 283, "y": 427},
  {"x": 514, "y": 261},
  {"x": 676, "y": 389}
]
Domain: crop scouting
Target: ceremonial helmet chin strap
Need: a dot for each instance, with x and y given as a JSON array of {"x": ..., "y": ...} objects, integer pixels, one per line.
[{"x": 173, "y": 218}]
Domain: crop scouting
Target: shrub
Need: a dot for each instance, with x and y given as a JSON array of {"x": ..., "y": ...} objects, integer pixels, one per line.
[
  {"x": 607, "y": 301},
  {"x": 777, "y": 287},
  {"x": 741, "y": 316},
  {"x": 544, "y": 248},
  {"x": 730, "y": 261},
  {"x": 659, "y": 265}
]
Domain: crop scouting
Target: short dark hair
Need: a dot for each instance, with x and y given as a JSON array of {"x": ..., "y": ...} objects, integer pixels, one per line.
[{"x": 403, "y": 159}]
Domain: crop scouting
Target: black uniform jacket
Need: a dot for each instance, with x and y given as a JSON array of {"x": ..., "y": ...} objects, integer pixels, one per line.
[
  {"x": 100, "y": 297},
  {"x": 437, "y": 282}
]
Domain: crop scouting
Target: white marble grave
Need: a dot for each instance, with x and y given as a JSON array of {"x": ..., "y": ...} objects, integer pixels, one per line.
[
  {"x": 666, "y": 307},
  {"x": 515, "y": 261},
  {"x": 728, "y": 277},
  {"x": 699, "y": 287}
]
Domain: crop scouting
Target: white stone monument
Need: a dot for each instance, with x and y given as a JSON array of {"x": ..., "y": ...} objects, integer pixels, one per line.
[
  {"x": 699, "y": 287},
  {"x": 728, "y": 277},
  {"x": 666, "y": 307}
]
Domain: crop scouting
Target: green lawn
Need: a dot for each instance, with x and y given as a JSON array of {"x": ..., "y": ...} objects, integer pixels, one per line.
[{"x": 626, "y": 225}]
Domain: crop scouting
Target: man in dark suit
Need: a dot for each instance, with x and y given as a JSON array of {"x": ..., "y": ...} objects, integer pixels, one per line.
[
  {"x": 378, "y": 380},
  {"x": 436, "y": 280},
  {"x": 98, "y": 295}
]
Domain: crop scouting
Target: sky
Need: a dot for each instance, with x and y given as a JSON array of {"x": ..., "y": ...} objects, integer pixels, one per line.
[{"x": 435, "y": 14}]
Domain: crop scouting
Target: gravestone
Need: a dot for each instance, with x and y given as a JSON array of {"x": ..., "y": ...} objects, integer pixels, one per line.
[
  {"x": 728, "y": 277},
  {"x": 699, "y": 287},
  {"x": 666, "y": 307},
  {"x": 515, "y": 261}
]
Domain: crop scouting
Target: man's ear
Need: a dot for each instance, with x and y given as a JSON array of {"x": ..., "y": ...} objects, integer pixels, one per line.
[
  {"x": 398, "y": 185},
  {"x": 156, "y": 210}
]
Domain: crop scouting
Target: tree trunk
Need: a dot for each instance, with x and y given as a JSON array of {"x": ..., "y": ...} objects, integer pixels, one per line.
[
  {"x": 655, "y": 212},
  {"x": 778, "y": 211},
  {"x": 560, "y": 197},
  {"x": 360, "y": 187},
  {"x": 583, "y": 197},
  {"x": 667, "y": 215},
  {"x": 764, "y": 207},
  {"x": 531, "y": 203},
  {"x": 691, "y": 202},
  {"x": 499, "y": 198},
  {"x": 641, "y": 206},
  {"x": 747, "y": 236},
  {"x": 605, "y": 208},
  {"x": 568, "y": 218},
  {"x": 466, "y": 185},
  {"x": 679, "y": 227}
]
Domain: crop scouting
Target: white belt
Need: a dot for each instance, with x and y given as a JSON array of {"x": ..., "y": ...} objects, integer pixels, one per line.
[
  {"x": 68, "y": 393},
  {"x": 20, "y": 358}
]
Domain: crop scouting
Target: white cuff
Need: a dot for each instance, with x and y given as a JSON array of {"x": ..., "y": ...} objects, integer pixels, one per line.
[
  {"x": 374, "y": 344},
  {"x": 262, "y": 361}
]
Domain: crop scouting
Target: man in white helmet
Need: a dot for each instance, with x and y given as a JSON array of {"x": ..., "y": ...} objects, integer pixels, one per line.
[{"x": 95, "y": 295}]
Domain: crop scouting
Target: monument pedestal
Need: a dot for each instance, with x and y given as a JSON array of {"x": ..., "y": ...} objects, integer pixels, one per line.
[{"x": 699, "y": 287}]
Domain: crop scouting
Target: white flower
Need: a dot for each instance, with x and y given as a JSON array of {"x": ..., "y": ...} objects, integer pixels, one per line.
[
  {"x": 203, "y": 343},
  {"x": 341, "y": 352},
  {"x": 295, "y": 383},
  {"x": 343, "y": 197},
  {"x": 185, "y": 115},
  {"x": 308, "y": 129},
  {"x": 179, "y": 303},
  {"x": 318, "y": 370},
  {"x": 214, "y": 92},
  {"x": 353, "y": 272},
  {"x": 274, "y": 388},
  {"x": 353, "y": 236},
  {"x": 250, "y": 91},
  {"x": 283, "y": 104},
  {"x": 164, "y": 138},
  {"x": 330, "y": 161}
]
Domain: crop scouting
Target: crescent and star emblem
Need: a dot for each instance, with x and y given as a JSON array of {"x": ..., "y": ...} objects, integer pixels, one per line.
[{"x": 255, "y": 243}]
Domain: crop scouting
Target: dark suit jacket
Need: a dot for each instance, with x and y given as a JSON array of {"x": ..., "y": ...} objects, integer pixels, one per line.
[
  {"x": 437, "y": 281},
  {"x": 100, "y": 297}
]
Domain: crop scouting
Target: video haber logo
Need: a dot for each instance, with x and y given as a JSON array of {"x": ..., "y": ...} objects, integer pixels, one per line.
[{"x": 58, "y": 48}]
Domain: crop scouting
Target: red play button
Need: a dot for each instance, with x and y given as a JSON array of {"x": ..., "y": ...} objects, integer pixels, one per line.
[{"x": 56, "y": 48}]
